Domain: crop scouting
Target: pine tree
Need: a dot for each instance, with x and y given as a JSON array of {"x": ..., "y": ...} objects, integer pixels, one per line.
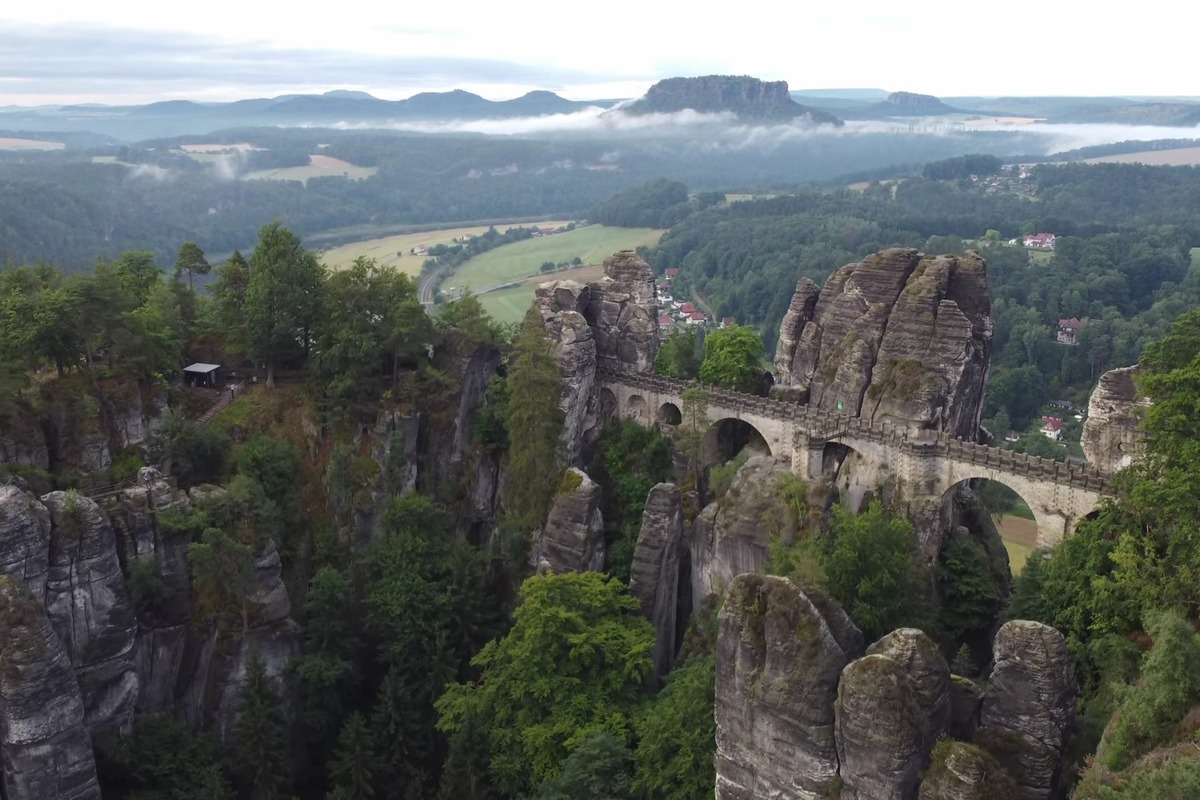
[
  {"x": 401, "y": 726},
  {"x": 283, "y": 297},
  {"x": 535, "y": 422},
  {"x": 192, "y": 261},
  {"x": 353, "y": 768},
  {"x": 465, "y": 776},
  {"x": 260, "y": 755}
]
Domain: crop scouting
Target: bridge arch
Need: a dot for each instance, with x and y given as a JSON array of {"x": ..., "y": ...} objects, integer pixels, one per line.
[
  {"x": 1021, "y": 527},
  {"x": 637, "y": 409},
  {"x": 670, "y": 414},
  {"x": 607, "y": 404},
  {"x": 1055, "y": 508},
  {"x": 726, "y": 438}
]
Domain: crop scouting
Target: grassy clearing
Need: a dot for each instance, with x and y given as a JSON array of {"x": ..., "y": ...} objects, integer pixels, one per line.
[
  {"x": 12, "y": 143},
  {"x": 396, "y": 250},
  {"x": 1042, "y": 257},
  {"x": 317, "y": 167},
  {"x": 591, "y": 244},
  {"x": 1018, "y": 554},
  {"x": 511, "y": 303}
]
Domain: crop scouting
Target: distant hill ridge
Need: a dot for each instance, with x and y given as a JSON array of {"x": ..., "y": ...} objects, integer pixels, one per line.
[{"x": 749, "y": 98}]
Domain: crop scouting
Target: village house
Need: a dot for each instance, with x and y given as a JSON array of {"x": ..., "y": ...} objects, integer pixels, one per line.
[
  {"x": 671, "y": 272},
  {"x": 696, "y": 318},
  {"x": 686, "y": 309},
  {"x": 420, "y": 250},
  {"x": 727, "y": 322},
  {"x": 1040, "y": 241},
  {"x": 1067, "y": 330},
  {"x": 1052, "y": 427},
  {"x": 665, "y": 323}
]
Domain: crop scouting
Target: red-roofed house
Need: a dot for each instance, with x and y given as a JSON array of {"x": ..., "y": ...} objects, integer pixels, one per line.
[
  {"x": 687, "y": 308},
  {"x": 696, "y": 318},
  {"x": 1067, "y": 329},
  {"x": 1041, "y": 241},
  {"x": 672, "y": 272},
  {"x": 665, "y": 323},
  {"x": 1052, "y": 427}
]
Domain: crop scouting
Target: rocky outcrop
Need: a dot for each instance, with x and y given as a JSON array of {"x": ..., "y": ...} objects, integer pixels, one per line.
[
  {"x": 966, "y": 699},
  {"x": 88, "y": 605},
  {"x": 654, "y": 574},
  {"x": 731, "y": 536},
  {"x": 22, "y": 440},
  {"x": 1111, "y": 436},
  {"x": 24, "y": 539},
  {"x": 899, "y": 337},
  {"x": 892, "y": 705},
  {"x": 800, "y": 312},
  {"x": 779, "y": 656},
  {"x": 962, "y": 771},
  {"x": 748, "y": 98},
  {"x": 1029, "y": 706},
  {"x": 45, "y": 749},
  {"x": 561, "y": 304},
  {"x": 623, "y": 313},
  {"x": 572, "y": 539}
]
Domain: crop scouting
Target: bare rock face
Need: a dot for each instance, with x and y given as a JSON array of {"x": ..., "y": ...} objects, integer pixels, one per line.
[
  {"x": 573, "y": 537},
  {"x": 88, "y": 605},
  {"x": 961, "y": 771},
  {"x": 560, "y": 305},
  {"x": 900, "y": 337},
  {"x": 1029, "y": 706},
  {"x": 779, "y": 657},
  {"x": 24, "y": 539},
  {"x": 45, "y": 748},
  {"x": 654, "y": 574},
  {"x": 623, "y": 312},
  {"x": 731, "y": 536},
  {"x": 892, "y": 705},
  {"x": 788, "y": 370},
  {"x": 1111, "y": 436},
  {"x": 277, "y": 644}
]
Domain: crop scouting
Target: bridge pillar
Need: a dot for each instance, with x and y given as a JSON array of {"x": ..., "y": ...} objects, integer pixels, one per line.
[
  {"x": 1051, "y": 527},
  {"x": 814, "y": 455}
]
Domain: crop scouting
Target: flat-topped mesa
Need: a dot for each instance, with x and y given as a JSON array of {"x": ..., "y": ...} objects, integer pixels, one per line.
[
  {"x": 899, "y": 337},
  {"x": 623, "y": 313},
  {"x": 1112, "y": 436}
]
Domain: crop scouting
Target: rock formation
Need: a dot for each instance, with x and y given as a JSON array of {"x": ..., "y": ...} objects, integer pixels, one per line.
[
  {"x": 892, "y": 705},
  {"x": 1111, "y": 436},
  {"x": 1029, "y": 706},
  {"x": 623, "y": 313},
  {"x": 962, "y": 771},
  {"x": 573, "y": 538},
  {"x": 779, "y": 657},
  {"x": 899, "y": 337},
  {"x": 24, "y": 539},
  {"x": 748, "y": 98},
  {"x": 45, "y": 749},
  {"x": 144, "y": 543},
  {"x": 731, "y": 536},
  {"x": 654, "y": 574},
  {"x": 88, "y": 605},
  {"x": 560, "y": 305},
  {"x": 612, "y": 323}
]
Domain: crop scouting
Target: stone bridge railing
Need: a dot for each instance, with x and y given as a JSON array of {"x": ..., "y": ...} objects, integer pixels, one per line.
[{"x": 830, "y": 425}]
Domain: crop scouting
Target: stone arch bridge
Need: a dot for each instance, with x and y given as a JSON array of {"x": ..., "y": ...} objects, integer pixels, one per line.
[{"x": 925, "y": 464}]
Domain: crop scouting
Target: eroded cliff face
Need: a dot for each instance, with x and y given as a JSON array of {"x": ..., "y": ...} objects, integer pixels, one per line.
[
  {"x": 45, "y": 748},
  {"x": 899, "y": 337},
  {"x": 1111, "y": 436},
  {"x": 731, "y": 536},
  {"x": 572, "y": 540},
  {"x": 779, "y": 658},
  {"x": 654, "y": 574},
  {"x": 610, "y": 323},
  {"x": 799, "y": 712}
]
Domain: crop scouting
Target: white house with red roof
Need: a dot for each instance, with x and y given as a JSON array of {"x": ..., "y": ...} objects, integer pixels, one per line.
[
  {"x": 1040, "y": 241},
  {"x": 665, "y": 323},
  {"x": 1052, "y": 427},
  {"x": 696, "y": 318}
]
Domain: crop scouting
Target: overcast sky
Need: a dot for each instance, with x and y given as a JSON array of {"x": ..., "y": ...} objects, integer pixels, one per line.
[{"x": 120, "y": 51}]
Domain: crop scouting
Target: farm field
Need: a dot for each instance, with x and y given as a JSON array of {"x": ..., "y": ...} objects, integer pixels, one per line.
[
  {"x": 591, "y": 244},
  {"x": 510, "y": 303},
  {"x": 386, "y": 250},
  {"x": 318, "y": 167},
  {"x": 1020, "y": 539},
  {"x": 12, "y": 143},
  {"x": 1184, "y": 156}
]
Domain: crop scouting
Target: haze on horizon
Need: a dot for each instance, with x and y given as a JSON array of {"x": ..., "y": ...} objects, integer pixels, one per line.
[{"x": 118, "y": 52}]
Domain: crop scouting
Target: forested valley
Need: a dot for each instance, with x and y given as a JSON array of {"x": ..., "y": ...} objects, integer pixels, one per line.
[{"x": 328, "y": 571}]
